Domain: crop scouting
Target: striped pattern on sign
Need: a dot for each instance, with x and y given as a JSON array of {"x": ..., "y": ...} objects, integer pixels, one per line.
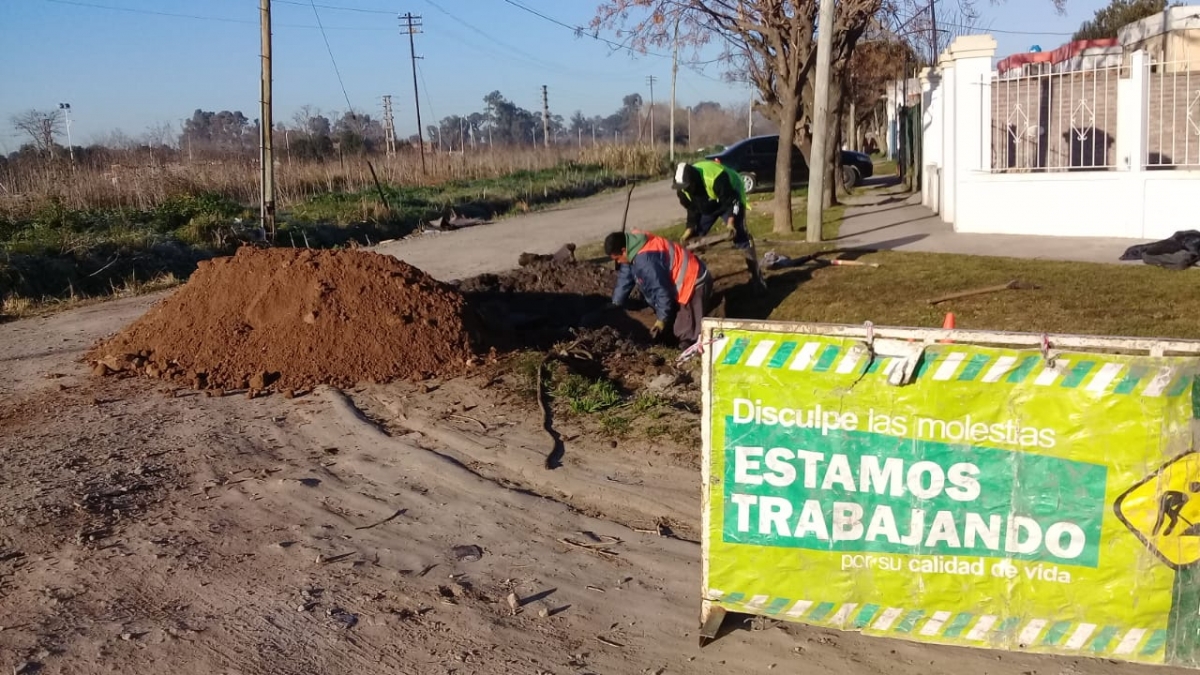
[
  {"x": 942, "y": 364},
  {"x": 1087, "y": 639}
]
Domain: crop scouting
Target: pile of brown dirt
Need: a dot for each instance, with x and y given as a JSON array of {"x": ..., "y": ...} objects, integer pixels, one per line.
[
  {"x": 538, "y": 305},
  {"x": 288, "y": 319}
]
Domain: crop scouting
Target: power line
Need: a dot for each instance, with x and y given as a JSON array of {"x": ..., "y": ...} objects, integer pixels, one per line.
[
  {"x": 339, "y": 8},
  {"x": 199, "y": 17},
  {"x": 337, "y": 71},
  {"x": 429, "y": 103},
  {"x": 1006, "y": 32},
  {"x": 579, "y": 31},
  {"x": 521, "y": 56}
]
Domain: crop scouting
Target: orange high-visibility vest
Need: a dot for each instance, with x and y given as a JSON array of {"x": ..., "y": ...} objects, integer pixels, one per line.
[{"x": 685, "y": 266}]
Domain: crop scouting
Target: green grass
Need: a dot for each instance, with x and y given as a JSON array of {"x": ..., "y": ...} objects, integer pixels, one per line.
[
  {"x": 760, "y": 221},
  {"x": 584, "y": 396},
  {"x": 1080, "y": 298},
  {"x": 885, "y": 167}
]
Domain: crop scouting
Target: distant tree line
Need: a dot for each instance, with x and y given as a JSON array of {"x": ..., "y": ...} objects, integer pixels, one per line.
[{"x": 314, "y": 135}]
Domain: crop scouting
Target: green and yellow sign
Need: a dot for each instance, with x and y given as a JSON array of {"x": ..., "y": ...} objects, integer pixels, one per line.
[{"x": 1001, "y": 498}]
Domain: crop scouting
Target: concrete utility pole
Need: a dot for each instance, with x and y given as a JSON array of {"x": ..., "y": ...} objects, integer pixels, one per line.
[
  {"x": 817, "y": 165},
  {"x": 66, "y": 108},
  {"x": 650, "y": 79},
  {"x": 545, "y": 117},
  {"x": 674, "y": 75},
  {"x": 412, "y": 26},
  {"x": 750, "y": 114},
  {"x": 266, "y": 127}
]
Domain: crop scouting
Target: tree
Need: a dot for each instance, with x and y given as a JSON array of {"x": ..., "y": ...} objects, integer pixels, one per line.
[
  {"x": 771, "y": 43},
  {"x": 224, "y": 131},
  {"x": 874, "y": 65},
  {"x": 356, "y": 132},
  {"x": 1117, "y": 14},
  {"x": 42, "y": 127}
]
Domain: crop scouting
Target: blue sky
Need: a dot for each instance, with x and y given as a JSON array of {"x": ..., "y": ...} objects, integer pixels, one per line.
[{"x": 132, "y": 69}]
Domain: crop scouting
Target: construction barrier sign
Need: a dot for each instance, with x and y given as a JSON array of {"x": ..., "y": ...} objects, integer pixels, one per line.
[{"x": 950, "y": 493}]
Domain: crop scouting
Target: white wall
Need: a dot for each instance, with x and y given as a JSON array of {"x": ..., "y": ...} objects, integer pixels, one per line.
[
  {"x": 1145, "y": 205},
  {"x": 1128, "y": 202}
]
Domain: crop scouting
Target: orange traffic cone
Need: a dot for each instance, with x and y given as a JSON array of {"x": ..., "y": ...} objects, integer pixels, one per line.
[{"x": 948, "y": 324}]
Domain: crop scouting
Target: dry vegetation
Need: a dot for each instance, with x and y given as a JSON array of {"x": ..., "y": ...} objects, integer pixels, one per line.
[
  {"x": 138, "y": 181},
  {"x": 82, "y": 229}
]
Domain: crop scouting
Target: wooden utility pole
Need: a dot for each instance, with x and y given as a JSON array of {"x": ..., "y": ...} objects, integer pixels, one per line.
[
  {"x": 266, "y": 127},
  {"x": 650, "y": 79},
  {"x": 674, "y": 75},
  {"x": 545, "y": 117},
  {"x": 412, "y": 26},
  {"x": 816, "y": 167}
]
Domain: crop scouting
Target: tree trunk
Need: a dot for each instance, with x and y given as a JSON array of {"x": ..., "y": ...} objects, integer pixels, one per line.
[
  {"x": 783, "y": 163},
  {"x": 833, "y": 174}
]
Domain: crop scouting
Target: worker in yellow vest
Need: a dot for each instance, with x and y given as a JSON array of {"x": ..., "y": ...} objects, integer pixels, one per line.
[{"x": 712, "y": 192}]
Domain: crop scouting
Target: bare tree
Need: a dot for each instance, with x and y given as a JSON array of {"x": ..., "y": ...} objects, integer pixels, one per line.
[
  {"x": 41, "y": 126},
  {"x": 771, "y": 43},
  {"x": 160, "y": 134}
]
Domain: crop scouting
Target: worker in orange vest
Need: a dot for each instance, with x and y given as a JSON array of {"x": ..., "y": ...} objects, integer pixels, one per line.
[{"x": 671, "y": 278}]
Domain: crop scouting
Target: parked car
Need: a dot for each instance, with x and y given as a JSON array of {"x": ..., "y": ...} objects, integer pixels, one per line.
[{"x": 754, "y": 158}]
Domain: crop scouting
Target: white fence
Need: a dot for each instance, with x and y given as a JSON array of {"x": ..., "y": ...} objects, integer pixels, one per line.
[{"x": 1110, "y": 150}]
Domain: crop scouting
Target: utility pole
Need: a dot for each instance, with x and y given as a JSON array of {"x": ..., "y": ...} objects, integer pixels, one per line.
[
  {"x": 545, "y": 117},
  {"x": 674, "y": 75},
  {"x": 66, "y": 108},
  {"x": 412, "y": 26},
  {"x": 689, "y": 127},
  {"x": 389, "y": 127},
  {"x": 266, "y": 126},
  {"x": 650, "y": 79},
  {"x": 816, "y": 168},
  {"x": 750, "y": 114}
]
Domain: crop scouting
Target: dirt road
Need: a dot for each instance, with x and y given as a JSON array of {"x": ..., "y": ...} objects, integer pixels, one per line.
[
  {"x": 495, "y": 247},
  {"x": 402, "y": 528}
]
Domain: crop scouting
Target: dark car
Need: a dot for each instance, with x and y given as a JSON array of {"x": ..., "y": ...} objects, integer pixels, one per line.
[{"x": 754, "y": 158}]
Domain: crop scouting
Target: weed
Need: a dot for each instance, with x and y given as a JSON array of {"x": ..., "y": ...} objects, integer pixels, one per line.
[
  {"x": 657, "y": 429},
  {"x": 612, "y": 424},
  {"x": 525, "y": 365},
  {"x": 646, "y": 402},
  {"x": 585, "y": 396}
]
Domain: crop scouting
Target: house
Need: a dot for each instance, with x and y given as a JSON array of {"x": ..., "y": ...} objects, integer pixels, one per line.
[{"x": 1170, "y": 38}]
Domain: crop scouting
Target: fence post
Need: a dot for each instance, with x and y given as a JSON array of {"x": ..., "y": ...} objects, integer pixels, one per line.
[
  {"x": 949, "y": 140},
  {"x": 931, "y": 135},
  {"x": 972, "y": 102},
  {"x": 1132, "y": 122}
]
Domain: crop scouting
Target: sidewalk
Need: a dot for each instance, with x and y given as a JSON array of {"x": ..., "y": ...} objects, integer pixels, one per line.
[{"x": 893, "y": 221}]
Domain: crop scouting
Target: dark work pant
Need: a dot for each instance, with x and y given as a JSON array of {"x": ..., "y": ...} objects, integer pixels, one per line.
[
  {"x": 687, "y": 321},
  {"x": 741, "y": 241}
]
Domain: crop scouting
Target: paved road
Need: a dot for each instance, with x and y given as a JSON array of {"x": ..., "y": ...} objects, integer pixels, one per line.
[{"x": 495, "y": 247}]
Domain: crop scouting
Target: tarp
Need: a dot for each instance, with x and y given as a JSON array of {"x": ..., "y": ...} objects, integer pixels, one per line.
[{"x": 1002, "y": 498}]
